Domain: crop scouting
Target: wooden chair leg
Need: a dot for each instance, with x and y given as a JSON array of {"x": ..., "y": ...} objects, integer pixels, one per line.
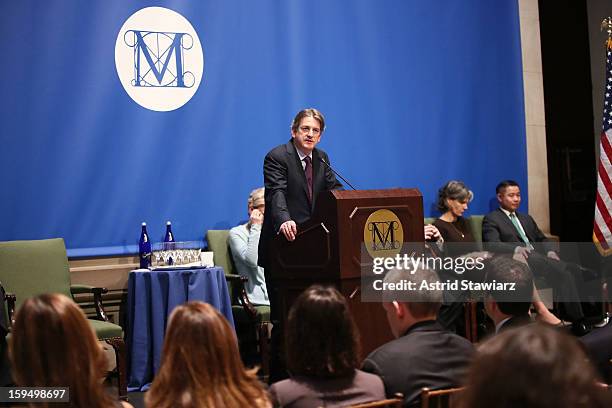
[
  {"x": 264, "y": 349},
  {"x": 118, "y": 345},
  {"x": 471, "y": 321}
]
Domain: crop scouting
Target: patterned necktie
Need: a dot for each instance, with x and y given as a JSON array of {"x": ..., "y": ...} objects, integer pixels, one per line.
[
  {"x": 308, "y": 171},
  {"x": 519, "y": 229}
]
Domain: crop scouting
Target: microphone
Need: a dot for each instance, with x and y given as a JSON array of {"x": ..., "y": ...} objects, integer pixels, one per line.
[{"x": 336, "y": 173}]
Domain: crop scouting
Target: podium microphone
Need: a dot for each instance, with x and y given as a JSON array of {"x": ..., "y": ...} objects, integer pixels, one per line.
[{"x": 336, "y": 173}]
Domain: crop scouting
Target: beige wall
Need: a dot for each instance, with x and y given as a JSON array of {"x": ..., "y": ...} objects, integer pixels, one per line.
[
  {"x": 597, "y": 10},
  {"x": 537, "y": 165}
]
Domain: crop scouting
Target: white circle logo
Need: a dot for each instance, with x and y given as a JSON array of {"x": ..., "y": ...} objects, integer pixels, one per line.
[{"x": 159, "y": 59}]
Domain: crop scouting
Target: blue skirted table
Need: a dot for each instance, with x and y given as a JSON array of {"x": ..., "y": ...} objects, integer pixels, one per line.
[{"x": 152, "y": 295}]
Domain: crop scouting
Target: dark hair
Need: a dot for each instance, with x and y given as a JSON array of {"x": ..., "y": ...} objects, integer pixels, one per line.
[
  {"x": 500, "y": 270},
  {"x": 322, "y": 339},
  {"x": 53, "y": 345},
  {"x": 200, "y": 364},
  {"x": 532, "y": 366},
  {"x": 503, "y": 184},
  {"x": 453, "y": 190},
  {"x": 309, "y": 112},
  {"x": 422, "y": 303}
]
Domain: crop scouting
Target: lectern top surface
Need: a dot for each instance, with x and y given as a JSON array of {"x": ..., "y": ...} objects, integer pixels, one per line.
[{"x": 390, "y": 192}]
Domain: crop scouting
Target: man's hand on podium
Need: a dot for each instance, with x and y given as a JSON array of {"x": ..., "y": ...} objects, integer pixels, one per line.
[{"x": 288, "y": 229}]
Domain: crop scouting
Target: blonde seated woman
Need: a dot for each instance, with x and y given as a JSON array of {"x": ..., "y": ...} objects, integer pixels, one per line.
[
  {"x": 52, "y": 345},
  {"x": 201, "y": 366},
  {"x": 453, "y": 199}
]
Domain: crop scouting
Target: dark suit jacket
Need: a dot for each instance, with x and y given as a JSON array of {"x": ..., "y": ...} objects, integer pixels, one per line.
[
  {"x": 515, "y": 321},
  {"x": 287, "y": 192},
  {"x": 501, "y": 235},
  {"x": 598, "y": 345},
  {"x": 426, "y": 356}
]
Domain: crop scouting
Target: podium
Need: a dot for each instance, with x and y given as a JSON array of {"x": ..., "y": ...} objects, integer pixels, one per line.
[{"x": 330, "y": 249}]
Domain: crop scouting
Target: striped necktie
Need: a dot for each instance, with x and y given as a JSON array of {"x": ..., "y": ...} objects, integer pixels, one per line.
[{"x": 308, "y": 171}]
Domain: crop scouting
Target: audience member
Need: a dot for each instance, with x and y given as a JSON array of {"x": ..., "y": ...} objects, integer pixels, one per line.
[
  {"x": 423, "y": 353},
  {"x": 322, "y": 347},
  {"x": 508, "y": 307},
  {"x": 53, "y": 345},
  {"x": 201, "y": 366},
  {"x": 598, "y": 345},
  {"x": 244, "y": 243},
  {"x": 534, "y": 366}
]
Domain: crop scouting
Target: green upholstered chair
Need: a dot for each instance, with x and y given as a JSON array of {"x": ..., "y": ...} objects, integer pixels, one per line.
[
  {"x": 243, "y": 311},
  {"x": 30, "y": 268},
  {"x": 475, "y": 222}
]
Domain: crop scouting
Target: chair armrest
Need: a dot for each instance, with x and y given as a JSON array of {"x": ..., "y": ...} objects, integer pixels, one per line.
[
  {"x": 239, "y": 293},
  {"x": 79, "y": 289},
  {"x": 552, "y": 237},
  {"x": 11, "y": 299},
  {"x": 235, "y": 278}
]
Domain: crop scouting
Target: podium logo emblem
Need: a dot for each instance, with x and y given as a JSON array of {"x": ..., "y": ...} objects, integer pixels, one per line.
[
  {"x": 159, "y": 59},
  {"x": 383, "y": 234}
]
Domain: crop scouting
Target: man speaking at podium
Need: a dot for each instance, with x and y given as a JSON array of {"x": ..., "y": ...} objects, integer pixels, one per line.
[{"x": 294, "y": 173}]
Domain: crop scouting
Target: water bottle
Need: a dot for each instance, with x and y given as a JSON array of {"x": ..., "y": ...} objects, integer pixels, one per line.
[
  {"x": 169, "y": 235},
  {"x": 169, "y": 238},
  {"x": 144, "y": 248}
]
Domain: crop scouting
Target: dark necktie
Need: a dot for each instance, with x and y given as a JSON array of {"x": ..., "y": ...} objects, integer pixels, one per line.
[{"x": 308, "y": 171}]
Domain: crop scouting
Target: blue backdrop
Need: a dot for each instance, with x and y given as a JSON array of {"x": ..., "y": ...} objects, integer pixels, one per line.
[{"x": 414, "y": 93}]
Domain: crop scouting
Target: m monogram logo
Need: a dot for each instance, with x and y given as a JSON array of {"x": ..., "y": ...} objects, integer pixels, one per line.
[
  {"x": 383, "y": 234},
  {"x": 153, "y": 55},
  {"x": 159, "y": 59}
]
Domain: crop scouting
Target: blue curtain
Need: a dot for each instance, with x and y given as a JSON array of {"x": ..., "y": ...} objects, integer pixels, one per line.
[{"x": 414, "y": 92}]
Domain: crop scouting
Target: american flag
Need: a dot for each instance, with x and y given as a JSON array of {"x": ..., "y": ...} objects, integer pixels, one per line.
[{"x": 602, "y": 227}]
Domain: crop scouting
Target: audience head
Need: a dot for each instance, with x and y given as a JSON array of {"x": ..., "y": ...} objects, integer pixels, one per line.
[
  {"x": 256, "y": 200},
  {"x": 503, "y": 303},
  {"x": 321, "y": 337},
  {"x": 532, "y": 366},
  {"x": 200, "y": 364},
  {"x": 256, "y": 207},
  {"x": 509, "y": 195},
  {"x": 454, "y": 196},
  {"x": 404, "y": 309},
  {"x": 53, "y": 345}
]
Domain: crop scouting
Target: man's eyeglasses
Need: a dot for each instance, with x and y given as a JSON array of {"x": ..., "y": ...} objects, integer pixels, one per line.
[{"x": 307, "y": 129}]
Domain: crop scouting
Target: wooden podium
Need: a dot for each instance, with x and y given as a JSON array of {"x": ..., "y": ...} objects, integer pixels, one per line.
[{"x": 328, "y": 249}]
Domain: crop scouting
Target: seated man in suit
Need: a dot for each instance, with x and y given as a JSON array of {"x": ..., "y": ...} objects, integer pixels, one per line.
[
  {"x": 507, "y": 231},
  {"x": 244, "y": 242},
  {"x": 508, "y": 308},
  {"x": 423, "y": 353}
]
